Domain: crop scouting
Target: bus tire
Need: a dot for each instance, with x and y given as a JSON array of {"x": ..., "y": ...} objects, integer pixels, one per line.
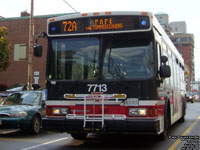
[
  {"x": 79, "y": 136},
  {"x": 182, "y": 119},
  {"x": 164, "y": 134}
]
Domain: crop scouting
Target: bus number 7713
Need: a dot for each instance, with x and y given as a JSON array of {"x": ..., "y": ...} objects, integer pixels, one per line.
[
  {"x": 97, "y": 88},
  {"x": 140, "y": 75}
]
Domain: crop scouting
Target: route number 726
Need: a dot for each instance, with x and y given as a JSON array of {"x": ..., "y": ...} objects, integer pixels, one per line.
[{"x": 97, "y": 87}]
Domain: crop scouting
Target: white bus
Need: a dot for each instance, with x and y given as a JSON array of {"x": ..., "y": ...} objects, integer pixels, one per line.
[{"x": 112, "y": 72}]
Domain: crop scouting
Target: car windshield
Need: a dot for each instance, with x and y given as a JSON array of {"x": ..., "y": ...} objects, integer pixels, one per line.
[
  {"x": 189, "y": 94},
  {"x": 26, "y": 98}
]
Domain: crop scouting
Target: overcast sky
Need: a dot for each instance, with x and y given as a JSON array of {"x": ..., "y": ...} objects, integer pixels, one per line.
[{"x": 178, "y": 10}]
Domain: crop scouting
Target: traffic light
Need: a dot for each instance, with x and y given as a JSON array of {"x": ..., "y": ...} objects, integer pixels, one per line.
[{"x": 186, "y": 74}]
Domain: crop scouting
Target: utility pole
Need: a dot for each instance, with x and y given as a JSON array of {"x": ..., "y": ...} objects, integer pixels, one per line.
[{"x": 31, "y": 43}]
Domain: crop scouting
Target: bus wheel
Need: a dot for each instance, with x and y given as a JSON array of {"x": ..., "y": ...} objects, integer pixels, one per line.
[
  {"x": 182, "y": 119},
  {"x": 79, "y": 136},
  {"x": 164, "y": 134}
]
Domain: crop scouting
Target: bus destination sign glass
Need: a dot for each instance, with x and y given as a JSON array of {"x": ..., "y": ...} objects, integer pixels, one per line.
[{"x": 99, "y": 24}]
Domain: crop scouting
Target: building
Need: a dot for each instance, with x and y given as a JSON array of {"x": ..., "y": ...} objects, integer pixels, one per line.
[
  {"x": 184, "y": 42},
  {"x": 163, "y": 19},
  {"x": 178, "y": 27},
  {"x": 18, "y": 37}
]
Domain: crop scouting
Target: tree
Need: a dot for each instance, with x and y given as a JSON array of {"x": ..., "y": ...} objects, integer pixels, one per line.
[{"x": 4, "y": 49}]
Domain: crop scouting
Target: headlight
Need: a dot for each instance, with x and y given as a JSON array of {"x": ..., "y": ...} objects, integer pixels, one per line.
[
  {"x": 137, "y": 111},
  {"x": 190, "y": 97},
  {"x": 19, "y": 114},
  {"x": 60, "y": 111}
]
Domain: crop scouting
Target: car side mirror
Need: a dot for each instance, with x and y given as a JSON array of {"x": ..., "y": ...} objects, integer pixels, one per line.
[
  {"x": 38, "y": 50},
  {"x": 43, "y": 103}
]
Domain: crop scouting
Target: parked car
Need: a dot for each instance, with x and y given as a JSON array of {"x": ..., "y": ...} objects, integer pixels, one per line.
[
  {"x": 16, "y": 88},
  {"x": 1, "y": 100},
  {"x": 3, "y": 87},
  {"x": 196, "y": 96},
  {"x": 23, "y": 110},
  {"x": 189, "y": 97}
]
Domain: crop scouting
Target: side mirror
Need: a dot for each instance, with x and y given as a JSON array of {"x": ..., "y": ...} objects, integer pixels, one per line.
[
  {"x": 165, "y": 71},
  {"x": 164, "y": 59},
  {"x": 43, "y": 103},
  {"x": 38, "y": 50}
]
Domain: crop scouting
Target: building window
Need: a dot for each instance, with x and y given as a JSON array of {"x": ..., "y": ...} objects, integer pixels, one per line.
[{"x": 19, "y": 52}]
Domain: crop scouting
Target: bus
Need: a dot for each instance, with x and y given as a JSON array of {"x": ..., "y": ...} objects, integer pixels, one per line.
[{"x": 111, "y": 72}]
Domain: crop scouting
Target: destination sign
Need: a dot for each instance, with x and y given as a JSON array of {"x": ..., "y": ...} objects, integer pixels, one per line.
[{"x": 99, "y": 24}]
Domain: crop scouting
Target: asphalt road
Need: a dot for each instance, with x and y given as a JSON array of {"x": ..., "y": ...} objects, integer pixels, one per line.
[{"x": 181, "y": 136}]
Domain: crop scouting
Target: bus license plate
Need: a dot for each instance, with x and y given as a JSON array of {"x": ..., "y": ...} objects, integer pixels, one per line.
[{"x": 132, "y": 102}]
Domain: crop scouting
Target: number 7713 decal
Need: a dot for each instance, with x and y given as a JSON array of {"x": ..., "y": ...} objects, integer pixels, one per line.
[{"x": 97, "y": 87}]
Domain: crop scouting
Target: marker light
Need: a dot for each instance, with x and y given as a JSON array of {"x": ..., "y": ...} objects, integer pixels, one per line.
[
  {"x": 96, "y": 13},
  {"x": 144, "y": 13},
  {"x": 53, "y": 29},
  {"x": 143, "y": 22},
  {"x": 108, "y": 13},
  {"x": 51, "y": 20},
  {"x": 84, "y": 14}
]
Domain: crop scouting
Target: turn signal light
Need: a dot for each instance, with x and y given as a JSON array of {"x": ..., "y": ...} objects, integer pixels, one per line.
[
  {"x": 69, "y": 95},
  {"x": 119, "y": 96}
]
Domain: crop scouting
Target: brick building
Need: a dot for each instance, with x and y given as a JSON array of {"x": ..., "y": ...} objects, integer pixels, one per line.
[
  {"x": 18, "y": 37},
  {"x": 184, "y": 42}
]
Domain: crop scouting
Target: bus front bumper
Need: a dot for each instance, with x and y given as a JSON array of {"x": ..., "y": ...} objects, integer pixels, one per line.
[{"x": 133, "y": 126}]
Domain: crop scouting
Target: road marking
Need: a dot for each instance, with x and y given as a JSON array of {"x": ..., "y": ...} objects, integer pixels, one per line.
[
  {"x": 173, "y": 146},
  {"x": 46, "y": 143}
]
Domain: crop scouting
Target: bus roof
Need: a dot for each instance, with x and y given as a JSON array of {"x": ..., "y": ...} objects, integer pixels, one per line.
[{"x": 109, "y": 13}]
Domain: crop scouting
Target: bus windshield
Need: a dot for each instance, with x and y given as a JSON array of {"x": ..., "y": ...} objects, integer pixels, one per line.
[
  {"x": 128, "y": 59},
  {"x": 75, "y": 58},
  {"x": 80, "y": 58}
]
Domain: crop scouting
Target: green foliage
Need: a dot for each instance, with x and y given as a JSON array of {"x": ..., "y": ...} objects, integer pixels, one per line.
[{"x": 4, "y": 49}]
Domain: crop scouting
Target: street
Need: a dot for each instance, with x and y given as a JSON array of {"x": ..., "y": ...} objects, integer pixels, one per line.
[{"x": 181, "y": 136}]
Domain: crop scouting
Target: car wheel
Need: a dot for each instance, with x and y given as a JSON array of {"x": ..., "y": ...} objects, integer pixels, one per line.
[{"x": 35, "y": 125}]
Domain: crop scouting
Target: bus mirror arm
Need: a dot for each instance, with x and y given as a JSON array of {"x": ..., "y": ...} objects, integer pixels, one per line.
[{"x": 38, "y": 48}]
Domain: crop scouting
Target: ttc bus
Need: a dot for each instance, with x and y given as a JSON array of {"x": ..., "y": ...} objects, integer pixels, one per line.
[{"x": 111, "y": 72}]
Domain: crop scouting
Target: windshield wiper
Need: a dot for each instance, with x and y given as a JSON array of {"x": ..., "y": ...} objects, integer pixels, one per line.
[
  {"x": 95, "y": 70},
  {"x": 116, "y": 68}
]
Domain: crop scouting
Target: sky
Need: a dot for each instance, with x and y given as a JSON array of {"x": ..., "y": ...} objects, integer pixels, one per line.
[{"x": 178, "y": 10}]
